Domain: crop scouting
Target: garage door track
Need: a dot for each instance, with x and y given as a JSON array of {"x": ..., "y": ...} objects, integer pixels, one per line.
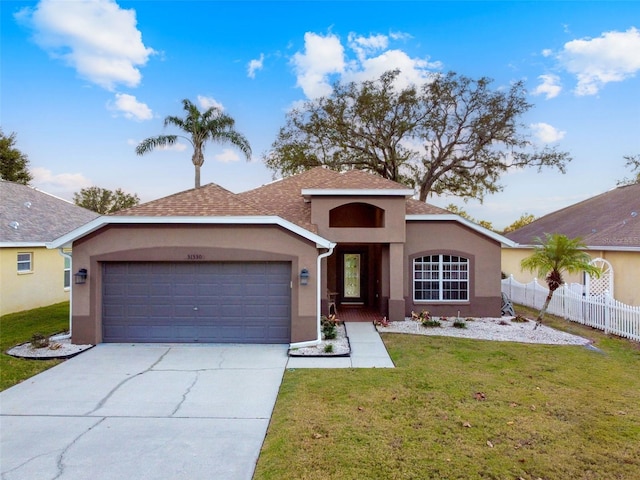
[{"x": 143, "y": 411}]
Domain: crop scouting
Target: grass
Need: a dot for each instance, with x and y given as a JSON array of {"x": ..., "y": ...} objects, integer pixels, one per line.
[
  {"x": 16, "y": 328},
  {"x": 463, "y": 409}
]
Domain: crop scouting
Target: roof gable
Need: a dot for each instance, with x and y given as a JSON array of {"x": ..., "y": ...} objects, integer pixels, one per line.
[
  {"x": 611, "y": 219},
  {"x": 30, "y": 216},
  {"x": 210, "y": 200}
]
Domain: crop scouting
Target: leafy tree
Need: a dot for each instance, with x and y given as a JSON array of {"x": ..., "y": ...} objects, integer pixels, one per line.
[
  {"x": 200, "y": 127},
  {"x": 104, "y": 201},
  {"x": 553, "y": 256},
  {"x": 464, "y": 214},
  {"x": 525, "y": 219},
  {"x": 13, "y": 163},
  {"x": 452, "y": 135},
  {"x": 633, "y": 162}
]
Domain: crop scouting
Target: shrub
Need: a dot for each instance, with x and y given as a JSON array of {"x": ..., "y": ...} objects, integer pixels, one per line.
[
  {"x": 459, "y": 323},
  {"x": 424, "y": 317},
  {"x": 328, "y": 348},
  {"x": 39, "y": 340},
  {"x": 329, "y": 329}
]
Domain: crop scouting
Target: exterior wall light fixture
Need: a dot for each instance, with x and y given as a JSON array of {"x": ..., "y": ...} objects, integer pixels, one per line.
[
  {"x": 80, "y": 277},
  {"x": 304, "y": 277}
]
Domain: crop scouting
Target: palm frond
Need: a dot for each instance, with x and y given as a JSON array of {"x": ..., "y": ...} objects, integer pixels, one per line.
[{"x": 149, "y": 144}]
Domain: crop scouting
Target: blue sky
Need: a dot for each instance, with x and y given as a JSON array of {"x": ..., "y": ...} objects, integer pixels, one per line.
[{"x": 82, "y": 82}]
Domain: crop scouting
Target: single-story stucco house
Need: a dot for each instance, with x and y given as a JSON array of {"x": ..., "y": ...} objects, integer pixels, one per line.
[
  {"x": 31, "y": 275},
  {"x": 208, "y": 265}
]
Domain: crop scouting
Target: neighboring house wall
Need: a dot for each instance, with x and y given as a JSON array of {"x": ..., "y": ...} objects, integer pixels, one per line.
[
  {"x": 176, "y": 244},
  {"x": 452, "y": 238},
  {"x": 41, "y": 286},
  {"x": 625, "y": 265}
]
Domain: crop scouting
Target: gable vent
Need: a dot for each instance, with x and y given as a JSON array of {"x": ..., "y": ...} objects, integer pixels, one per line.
[{"x": 14, "y": 225}]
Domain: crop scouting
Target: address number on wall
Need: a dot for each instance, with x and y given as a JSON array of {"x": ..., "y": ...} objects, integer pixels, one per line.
[{"x": 195, "y": 256}]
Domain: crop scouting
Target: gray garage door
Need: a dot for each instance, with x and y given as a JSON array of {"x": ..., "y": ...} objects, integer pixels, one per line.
[{"x": 226, "y": 302}]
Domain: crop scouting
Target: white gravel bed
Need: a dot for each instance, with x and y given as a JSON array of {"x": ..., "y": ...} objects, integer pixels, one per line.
[
  {"x": 340, "y": 346},
  {"x": 489, "y": 329},
  {"x": 59, "y": 347}
]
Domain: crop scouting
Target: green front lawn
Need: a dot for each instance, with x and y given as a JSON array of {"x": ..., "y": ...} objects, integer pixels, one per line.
[
  {"x": 16, "y": 328},
  {"x": 463, "y": 409}
]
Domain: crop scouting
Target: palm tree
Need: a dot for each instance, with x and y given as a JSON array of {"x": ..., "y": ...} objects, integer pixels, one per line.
[
  {"x": 553, "y": 256},
  {"x": 212, "y": 125}
]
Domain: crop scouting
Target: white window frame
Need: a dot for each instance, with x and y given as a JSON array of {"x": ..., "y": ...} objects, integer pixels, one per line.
[
  {"x": 444, "y": 270},
  {"x": 66, "y": 279},
  {"x": 22, "y": 262}
]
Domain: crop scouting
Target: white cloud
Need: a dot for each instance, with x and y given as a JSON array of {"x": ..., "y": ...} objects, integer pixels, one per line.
[
  {"x": 550, "y": 86},
  {"x": 97, "y": 38},
  {"x": 325, "y": 59},
  {"x": 413, "y": 71},
  {"x": 400, "y": 36},
  {"x": 322, "y": 56},
  {"x": 61, "y": 184},
  {"x": 547, "y": 52},
  {"x": 547, "y": 133},
  {"x": 255, "y": 65},
  {"x": 366, "y": 46},
  {"x": 227, "y": 156},
  {"x": 208, "y": 102},
  {"x": 130, "y": 107},
  {"x": 612, "y": 57}
]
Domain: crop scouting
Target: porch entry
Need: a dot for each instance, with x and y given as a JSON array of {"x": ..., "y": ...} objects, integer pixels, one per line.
[{"x": 355, "y": 276}]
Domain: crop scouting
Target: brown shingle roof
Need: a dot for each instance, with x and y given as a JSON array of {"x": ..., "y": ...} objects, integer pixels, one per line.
[
  {"x": 611, "y": 219},
  {"x": 359, "y": 180},
  {"x": 416, "y": 207},
  {"x": 281, "y": 198},
  {"x": 210, "y": 200}
]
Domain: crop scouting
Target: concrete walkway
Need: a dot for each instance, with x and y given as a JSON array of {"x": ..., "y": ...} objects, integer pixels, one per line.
[{"x": 367, "y": 351}]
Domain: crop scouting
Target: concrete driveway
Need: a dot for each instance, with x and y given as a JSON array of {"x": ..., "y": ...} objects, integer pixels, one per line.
[{"x": 141, "y": 412}]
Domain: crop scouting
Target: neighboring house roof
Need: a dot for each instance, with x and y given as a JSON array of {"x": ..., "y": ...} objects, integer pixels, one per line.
[
  {"x": 31, "y": 217},
  {"x": 610, "y": 220}
]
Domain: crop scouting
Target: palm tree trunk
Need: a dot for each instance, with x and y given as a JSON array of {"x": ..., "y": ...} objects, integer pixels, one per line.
[
  {"x": 197, "y": 176},
  {"x": 543, "y": 310}
]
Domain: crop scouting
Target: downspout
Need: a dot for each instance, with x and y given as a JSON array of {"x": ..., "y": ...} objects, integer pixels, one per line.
[
  {"x": 67, "y": 255},
  {"x": 319, "y": 292},
  {"x": 318, "y": 339}
]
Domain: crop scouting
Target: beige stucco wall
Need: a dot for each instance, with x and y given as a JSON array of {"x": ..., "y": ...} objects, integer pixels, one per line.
[
  {"x": 449, "y": 237},
  {"x": 625, "y": 265},
  {"x": 176, "y": 244},
  {"x": 394, "y": 219},
  {"x": 43, "y": 286}
]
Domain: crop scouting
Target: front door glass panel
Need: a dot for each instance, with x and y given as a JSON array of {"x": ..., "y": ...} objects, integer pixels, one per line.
[{"x": 351, "y": 275}]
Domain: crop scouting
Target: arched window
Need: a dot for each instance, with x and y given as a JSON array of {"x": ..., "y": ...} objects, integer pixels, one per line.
[
  {"x": 441, "y": 278},
  {"x": 356, "y": 215}
]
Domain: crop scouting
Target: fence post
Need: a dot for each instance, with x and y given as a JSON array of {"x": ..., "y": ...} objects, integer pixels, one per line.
[
  {"x": 607, "y": 312},
  {"x": 565, "y": 302},
  {"x": 511, "y": 286}
]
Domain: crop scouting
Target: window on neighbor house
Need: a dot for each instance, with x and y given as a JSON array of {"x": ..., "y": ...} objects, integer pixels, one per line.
[
  {"x": 441, "y": 278},
  {"x": 67, "y": 272},
  {"x": 25, "y": 262}
]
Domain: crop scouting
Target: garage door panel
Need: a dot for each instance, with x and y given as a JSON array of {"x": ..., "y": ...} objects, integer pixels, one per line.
[{"x": 197, "y": 302}]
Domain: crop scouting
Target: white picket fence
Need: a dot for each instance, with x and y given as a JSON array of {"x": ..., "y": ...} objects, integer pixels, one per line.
[{"x": 597, "y": 311}]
